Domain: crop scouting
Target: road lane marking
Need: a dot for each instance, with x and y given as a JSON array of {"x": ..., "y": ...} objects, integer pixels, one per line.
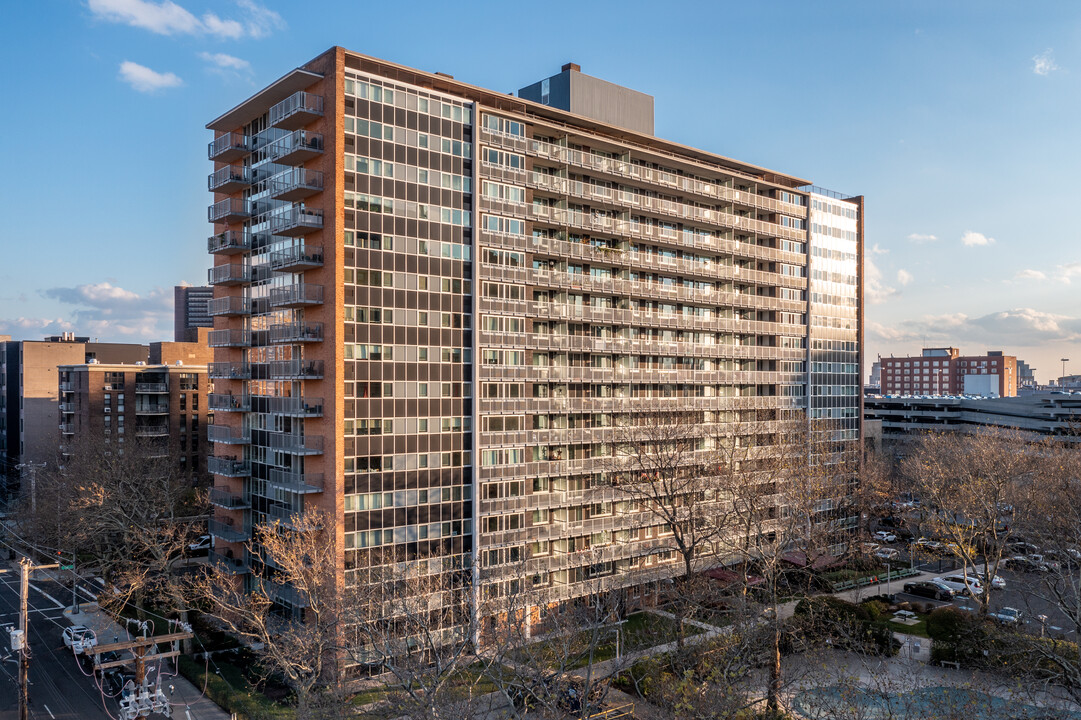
[
  {"x": 48, "y": 711},
  {"x": 50, "y": 597}
]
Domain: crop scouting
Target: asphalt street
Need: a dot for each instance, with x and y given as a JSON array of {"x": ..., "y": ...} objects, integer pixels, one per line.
[{"x": 58, "y": 688}]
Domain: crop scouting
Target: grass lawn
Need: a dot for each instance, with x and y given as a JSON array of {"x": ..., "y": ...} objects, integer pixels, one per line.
[
  {"x": 471, "y": 681},
  {"x": 232, "y": 691}
]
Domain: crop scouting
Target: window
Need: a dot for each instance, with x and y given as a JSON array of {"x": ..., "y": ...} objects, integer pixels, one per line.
[
  {"x": 492, "y": 156},
  {"x": 502, "y": 125}
]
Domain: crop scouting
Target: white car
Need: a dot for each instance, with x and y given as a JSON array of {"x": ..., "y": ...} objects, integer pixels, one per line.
[
  {"x": 959, "y": 586},
  {"x": 79, "y": 638},
  {"x": 885, "y": 536},
  {"x": 202, "y": 542},
  {"x": 1006, "y": 616},
  {"x": 888, "y": 553}
]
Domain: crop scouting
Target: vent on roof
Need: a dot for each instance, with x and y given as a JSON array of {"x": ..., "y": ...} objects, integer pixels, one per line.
[{"x": 572, "y": 66}]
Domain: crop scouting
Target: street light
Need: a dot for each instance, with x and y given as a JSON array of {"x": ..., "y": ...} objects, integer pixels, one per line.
[{"x": 1063, "y": 361}]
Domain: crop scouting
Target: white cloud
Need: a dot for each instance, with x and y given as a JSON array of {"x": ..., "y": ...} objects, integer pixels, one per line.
[
  {"x": 904, "y": 277},
  {"x": 1044, "y": 64},
  {"x": 975, "y": 239},
  {"x": 920, "y": 238},
  {"x": 107, "y": 310},
  {"x": 876, "y": 250},
  {"x": 876, "y": 290},
  {"x": 168, "y": 18},
  {"x": 226, "y": 62},
  {"x": 1022, "y": 327},
  {"x": 1068, "y": 272},
  {"x": 1030, "y": 274},
  {"x": 144, "y": 79}
]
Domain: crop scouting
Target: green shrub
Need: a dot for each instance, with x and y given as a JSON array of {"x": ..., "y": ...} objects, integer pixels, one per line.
[
  {"x": 947, "y": 624},
  {"x": 232, "y": 692}
]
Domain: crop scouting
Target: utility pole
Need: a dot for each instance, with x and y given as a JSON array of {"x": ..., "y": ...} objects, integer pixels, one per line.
[
  {"x": 20, "y": 640},
  {"x": 142, "y": 701},
  {"x": 24, "y": 651}
]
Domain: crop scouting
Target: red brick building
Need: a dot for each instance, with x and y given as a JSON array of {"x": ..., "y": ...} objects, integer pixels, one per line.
[{"x": 944, "y": 371}]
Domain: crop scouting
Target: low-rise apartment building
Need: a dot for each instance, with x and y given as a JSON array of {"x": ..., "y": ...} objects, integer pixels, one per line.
[{"x": 944, "y": 371}]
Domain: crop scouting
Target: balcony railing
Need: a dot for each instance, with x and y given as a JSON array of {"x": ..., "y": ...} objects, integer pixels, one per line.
[
  {"x": 299, "y": 482},
  {"x": 295, "y": 148},
  {"x": 296, "y": 295},
  {"x": 295, "y": 184},
  {"x": 229, "y": 306},
  {"x": 227, "y": 467},
  {"x": 67, "y": 429},
  {"x": 296, "y": 370},
  {"x": 151, "y": 387},
  {"x": 152, "y": 431},
  {"x": 232, "y": 274},
  {"x": 229, "y": 338},
  {"x": 230, "y": 242},
  {"x": 234, "y": 565},
  {"x": 152, "y": 408},
  {"x": 229, "y": 179},
  {"x": 228, "y": 210},
  {"x": 291, "y": 406},
  {"x": 285, "y": 594},
  {"x": 230, "y": 501},
  {"x": 227, "y": 532},
  {"x": 296, "y": 332},
  {"x": 226, "y": 402},
  {"x": 225, "y": 435},
  {"x": 67, "y": 408},
  {"x": 297, "y": 258},
  {"x": 296, "y": 111},
  {"x": 229, "y": 371},
  {"x": 228, "y": 147},
  {"x": 296, "y": 221},
  {"x": 67, "y": 386},
  {"x": 295, "y": 444}
]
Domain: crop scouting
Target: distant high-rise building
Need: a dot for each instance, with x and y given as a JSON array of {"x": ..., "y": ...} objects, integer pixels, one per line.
[
  {"x": 1026, "y": 376},
  {"x": 190, "y": 311},
  {"x": 433, "y": 303},
  {"x": 943, "y": 371}
]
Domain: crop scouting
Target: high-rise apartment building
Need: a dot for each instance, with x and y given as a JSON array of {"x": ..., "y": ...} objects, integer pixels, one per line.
[
  {"x": 944, "y": 371},
  {"x": 191, "y": 311},
  {"x": 432, "y": 299},
  {"x": 162, "y": 405}
]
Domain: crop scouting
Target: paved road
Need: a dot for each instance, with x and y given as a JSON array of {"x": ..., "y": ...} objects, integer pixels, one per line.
[{"x": 58, "y": 688}]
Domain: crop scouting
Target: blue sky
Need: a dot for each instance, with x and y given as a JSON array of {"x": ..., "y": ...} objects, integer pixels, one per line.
[{"x": 957, "y": 120}]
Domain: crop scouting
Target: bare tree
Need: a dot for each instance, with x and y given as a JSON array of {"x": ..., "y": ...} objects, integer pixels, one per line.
[
  {"x": 976, "y": 490},
  {"x": 300, "y": 639},
  {"x": 131, "y": 508}
]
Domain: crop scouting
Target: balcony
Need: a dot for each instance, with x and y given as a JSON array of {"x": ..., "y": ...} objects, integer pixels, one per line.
[
  {"x": 295, "y": 148},
  {"x": 229, "y": 306},
  {"x": 296, "y": 370},
  {"x": 151, "y": 431},
  {"x": 151, "y": 387},
  {"x": 295, "y": 444},
  {"x": 229, "y": 275},
  {"x": 227, "y": 466},
  {"x": 67, "y": 429},
  {"x": 67, "y": 386},
  {"x": 296, "y": 111},
  {"x": 152, "y": 408},
  {"x": 230, "y": 242},
  {"x": 225, "y": 435},
  {"x": 229, "y": 564},
  {"x": 227, "y": 402},
  {"x": 295, "y": 184},
  {"x": 67, "y": 408},
  {"x": 286, "y": 516},
  {"x": 227, "y": 531},
  {"x": 297, "y": 258},
  {"x": 229, "y": 179},
  {"x": 229, "y": 371},
  {"x": 229, "y": 338},
  {"x": 289, "y": 406},
  {"x": 296, "y": 295},
  {"x": 228, "y": 210},
  {"x": 298, "y": 482},
  {"x": 228, "y": 147},
  {"x": 296, "y": 332},
  {"x": 296, "y": 221},
  {"x": 285, "y": 594},
  {"x": 229, "y": 501}
]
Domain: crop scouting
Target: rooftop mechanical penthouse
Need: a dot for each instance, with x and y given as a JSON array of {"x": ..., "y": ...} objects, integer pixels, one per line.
[{"x": 433, "y": 302}]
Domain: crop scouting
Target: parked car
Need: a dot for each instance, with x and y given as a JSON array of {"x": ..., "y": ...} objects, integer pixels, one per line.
[
  {"x": 959, "y": 586},
  {"x": 115, "y": 680},
  {"x": 869, "y": 547},
  {"x": 79, "y": 638},
  {"x": 887, "y": 553},
  {"x": 929, "y": 589},
  {"x": 202, "y": 544},
  {"x": 928, "y": 546},
  {"x": 1018, "y": 547},
  {"x": 885, "y": 536},
  {"x": 1006, "y": 616}
]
